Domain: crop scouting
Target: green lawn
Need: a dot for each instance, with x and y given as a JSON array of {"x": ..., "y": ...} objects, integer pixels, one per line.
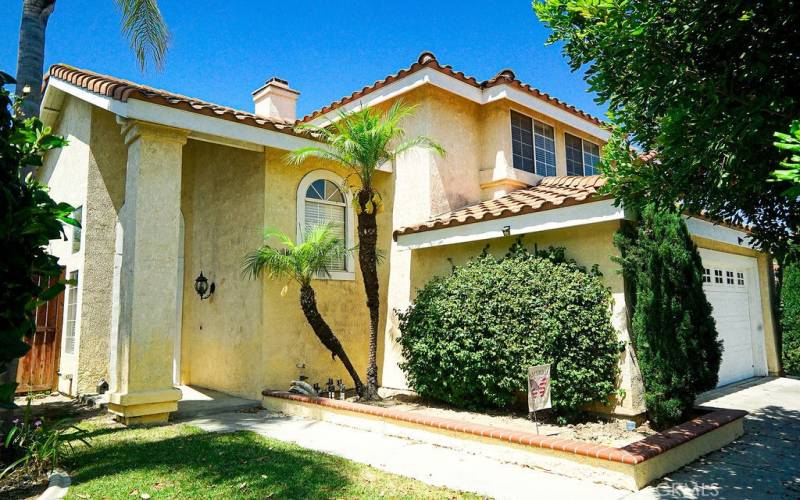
[{"x": 181, "y": 461}]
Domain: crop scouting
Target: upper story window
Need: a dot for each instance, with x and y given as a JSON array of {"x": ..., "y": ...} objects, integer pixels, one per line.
[
  {"x": 76, "y": 230},
  {"x": 582, "y": 156},
  {"x": 533, "y": 145},
  {"x": 320, "y": 200}
]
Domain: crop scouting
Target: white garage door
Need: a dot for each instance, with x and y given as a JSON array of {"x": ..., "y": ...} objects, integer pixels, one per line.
[{"x": 733, "y": 290}]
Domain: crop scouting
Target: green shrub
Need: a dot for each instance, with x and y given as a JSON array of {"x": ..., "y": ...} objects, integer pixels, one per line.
[
  {"x": 469, "y": 338},
  {"x": 790, "y": 320},
  {"x": 673, "y": 331}
]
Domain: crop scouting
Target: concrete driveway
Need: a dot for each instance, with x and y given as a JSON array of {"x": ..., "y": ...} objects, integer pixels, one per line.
[{"x": 764, "y": 463}]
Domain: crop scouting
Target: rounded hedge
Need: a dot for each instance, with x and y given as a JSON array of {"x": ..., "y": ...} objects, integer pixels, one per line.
[{"x": 469, "y": 338}]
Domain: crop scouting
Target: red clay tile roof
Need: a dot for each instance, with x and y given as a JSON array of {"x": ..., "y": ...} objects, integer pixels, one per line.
[
  {"x": 428, "y": 60},
  {"x": 123, "y": 90},
  {"x": 551, "y": 192}
]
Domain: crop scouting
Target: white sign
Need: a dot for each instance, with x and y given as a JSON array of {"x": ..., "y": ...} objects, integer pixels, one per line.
[{"x": 538, "y": 387}]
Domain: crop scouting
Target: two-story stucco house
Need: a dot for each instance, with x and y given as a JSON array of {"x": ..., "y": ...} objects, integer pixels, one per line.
[{"x": 169, "y": 186}]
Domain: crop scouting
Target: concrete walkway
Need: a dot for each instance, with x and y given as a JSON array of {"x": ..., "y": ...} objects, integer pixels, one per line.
[
  {"x": 764, "y": 463},
  {"x": 427, "y": 462}
]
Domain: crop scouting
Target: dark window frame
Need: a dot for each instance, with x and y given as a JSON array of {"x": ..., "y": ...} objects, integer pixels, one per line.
[
  {"x": 529, "y": 154},
  {"x": 574, "y": 156}
]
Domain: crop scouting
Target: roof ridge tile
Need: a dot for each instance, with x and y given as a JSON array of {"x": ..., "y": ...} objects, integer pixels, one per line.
[{"x": 122, "y": 90}]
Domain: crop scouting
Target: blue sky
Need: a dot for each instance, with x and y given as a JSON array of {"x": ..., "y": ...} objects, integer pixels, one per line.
[{"x": 223, "y": 50}]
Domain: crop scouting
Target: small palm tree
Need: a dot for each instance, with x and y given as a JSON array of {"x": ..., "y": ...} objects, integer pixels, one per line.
[
  {"x": 362, "y": 141},
  {"x": 142, "y": 25},
  {"x": 301, "y": 262}
]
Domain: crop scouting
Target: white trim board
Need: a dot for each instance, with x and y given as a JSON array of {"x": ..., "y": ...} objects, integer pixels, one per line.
[
  {"x": 717, "y": 232},
  {"x": 207, "y": 128},
  {"x": 467, "y": 91},
  {"x": 548, "y": 220}
]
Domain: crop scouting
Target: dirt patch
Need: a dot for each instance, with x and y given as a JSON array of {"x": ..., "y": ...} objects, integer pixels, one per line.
[
  {"x": 16, "y": 486},
  {"x": 609, "y": 432}
]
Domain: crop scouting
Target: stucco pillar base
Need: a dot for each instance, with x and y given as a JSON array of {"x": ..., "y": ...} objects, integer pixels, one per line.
[{"x": 144, "y": 407}]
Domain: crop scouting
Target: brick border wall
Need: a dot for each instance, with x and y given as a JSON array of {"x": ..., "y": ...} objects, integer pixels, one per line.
[{"x": 632, "y": 454}]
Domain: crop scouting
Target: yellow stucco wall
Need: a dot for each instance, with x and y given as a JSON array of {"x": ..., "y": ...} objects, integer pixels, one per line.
[
  {"x": 222, "y": 205},
  {"x": 104, "y": 196},
  {"x": 65, "y": 172},
  {"x": 288, "y": 341},
  {"x": 248, "y": 336}
]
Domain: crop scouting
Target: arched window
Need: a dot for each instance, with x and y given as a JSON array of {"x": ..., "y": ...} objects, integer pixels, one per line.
[{"x": 321, "y": 200}]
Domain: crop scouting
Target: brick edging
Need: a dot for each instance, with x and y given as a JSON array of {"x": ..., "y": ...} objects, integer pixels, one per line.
[
  {"x": 632, "y": 454},
  {"x": 657, "y": 444}
]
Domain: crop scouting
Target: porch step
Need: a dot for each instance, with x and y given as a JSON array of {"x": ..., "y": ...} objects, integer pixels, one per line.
[{"x": 202, "y": 402}]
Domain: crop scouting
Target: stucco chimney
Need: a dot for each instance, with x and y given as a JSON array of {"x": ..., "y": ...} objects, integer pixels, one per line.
[{"x": 276, "y": 100}]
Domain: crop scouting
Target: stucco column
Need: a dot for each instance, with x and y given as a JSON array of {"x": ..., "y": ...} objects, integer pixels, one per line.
[{"x": 150, "y": 224}]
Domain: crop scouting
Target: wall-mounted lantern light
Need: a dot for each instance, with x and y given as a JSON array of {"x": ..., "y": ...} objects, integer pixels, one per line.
[
  {"x": 506, "y": 230},
  {"x": 201, "y": 286}
]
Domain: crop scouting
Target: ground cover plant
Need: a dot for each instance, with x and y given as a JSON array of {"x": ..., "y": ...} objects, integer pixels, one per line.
[
  {"x": 181, "y": 461},
  {"x": 469, "y": 337}
]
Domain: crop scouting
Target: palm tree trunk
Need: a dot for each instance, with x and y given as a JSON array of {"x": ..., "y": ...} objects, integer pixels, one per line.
[
  {"x": 30, "y": 58},
  {"x": 308, "y": 302},
  {"x": 368, "y": 261}
]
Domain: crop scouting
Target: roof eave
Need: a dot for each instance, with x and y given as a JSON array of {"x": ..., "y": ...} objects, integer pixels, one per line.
[{"x": 568, "y": 214}]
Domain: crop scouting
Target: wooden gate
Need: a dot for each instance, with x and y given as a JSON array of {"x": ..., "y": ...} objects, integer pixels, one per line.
[{"x": 38, "y": 370}]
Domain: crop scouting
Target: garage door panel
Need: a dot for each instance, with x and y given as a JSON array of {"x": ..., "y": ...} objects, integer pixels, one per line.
[{"x": 731, "y": 290}]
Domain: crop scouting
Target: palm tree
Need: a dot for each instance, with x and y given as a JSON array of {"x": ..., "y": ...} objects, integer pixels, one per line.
[
  {"x": 142, "y": 25},
  {"x": 301, "y": 262},
  {"x": 362, "y": 141}
]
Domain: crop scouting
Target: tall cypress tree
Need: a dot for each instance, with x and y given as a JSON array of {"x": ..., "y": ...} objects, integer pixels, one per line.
[{"x": 672, "y": 329}]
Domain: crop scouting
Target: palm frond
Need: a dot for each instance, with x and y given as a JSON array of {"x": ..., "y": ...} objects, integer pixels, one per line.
[
  {"x": 275, "y": 263},
  {"x": 145, "y": 29},
  {"x": 362, "y": 140},
  {"x": 298, "y": 261},
  {"x": 299, "y": 156}
]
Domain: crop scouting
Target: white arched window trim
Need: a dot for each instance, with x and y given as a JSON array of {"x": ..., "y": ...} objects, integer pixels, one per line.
[{"x": 350, "y": 223}]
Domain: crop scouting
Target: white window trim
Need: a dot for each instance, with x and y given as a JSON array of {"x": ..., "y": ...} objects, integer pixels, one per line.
[
  {"x": 69, "y": 291},
  {"x": 305, "y": 183}
]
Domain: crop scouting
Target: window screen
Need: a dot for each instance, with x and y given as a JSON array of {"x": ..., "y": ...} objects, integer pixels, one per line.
[
  {"x": 522, "y": 141},
  {"x": 72, "y": 312},
  {"x": 324, "y": 204},
  {"x": 76, "y": 230},
  {"x": 544, "y": 139},
  {"x": 582, "y": 156},
  {"x": 574, "y": 154}
]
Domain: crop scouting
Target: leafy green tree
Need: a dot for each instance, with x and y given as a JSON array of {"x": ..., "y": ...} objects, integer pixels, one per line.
[
  {"x": 29, "y": 219},
  {"x": 142, "y": 25},
  {"x": 672, "y": 329},
  {"x": 791, "y": 165},
  {"x": 362, "y": 141},
  {"x": 469, "y": 337},
  {"x": 790, "y": 318},
  {"x": 301, "y": 262},
  {"x": 705, "y": 84}
]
